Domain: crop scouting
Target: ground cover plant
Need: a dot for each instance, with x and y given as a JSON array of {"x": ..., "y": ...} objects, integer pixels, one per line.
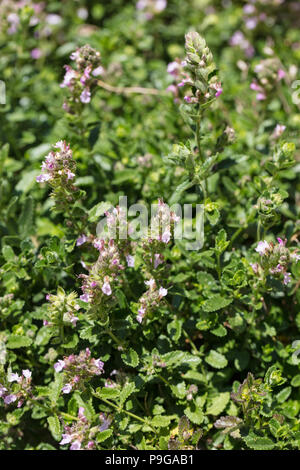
[{"x": 110, "y": 340}]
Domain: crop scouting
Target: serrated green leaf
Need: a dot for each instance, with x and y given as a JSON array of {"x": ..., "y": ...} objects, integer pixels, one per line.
[
  {"x": 16, "y": 341},
  {"x": 216, "y": 359},
  {"x": 217, "y": 405},
  {"x": 216, "y": 302},
  {"x": 55, "y": 427},
  {"x": 130, "y": 358}
]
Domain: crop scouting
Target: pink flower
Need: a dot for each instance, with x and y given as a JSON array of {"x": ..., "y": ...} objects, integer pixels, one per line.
[
  {"x": 2, "y": 390},
  {"x": 14, "y": 377},
  {"x": 66, "y": 439},
  {"x": 130, "y": 261},
  {"x": 81, "y": 240},
  {"x": 106, "y": 289},
  {"x": 85, "y": 298},
  {"x": 26, "y": 373},
  {"x": 157, "y": 260},
  {"x": 70, "y": 175},
  {"x": 98, "y": 71},
  {"x": 86, "y": 74},
  {"x": 43, "y": 177},
  {"x": 36, "y": 53},
  {"x": 286, "y": 278},
  {"x": 58, "y": 366},
  {"x": 76, "y": 445},
  {"x": 10, "y": 399},
  {"x": 260, "y": 96},
  {"x": 67, "y": 388},
  {"x": 166, "y": 236},
  {"x": 162, "y": 292},
  {"x": 254, "y": 266},
  {"x": 262, "y": 247},
  {"x": 281, "y": 74},
  {"x": 85, "y": 96},
  {"x": 173, "y": 68},
  {"x": 150, "y": 283},
  {"x": 278, "y": 131}
]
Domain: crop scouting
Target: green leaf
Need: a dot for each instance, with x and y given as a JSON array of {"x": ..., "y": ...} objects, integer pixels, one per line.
[
  {"x": 103, "y": 435},
  {"x": 221, "y": 241},
  {"x": 194, "y": 414},
  {"x": 216, "y": 302},
  {"x": 160, "y": 421},
  {"x": 55, "y": 389},
  {"x": 181, "y": 188},
  {"x": 174, "y": 329},
  {"x": 15, "y": 341},
  {"x": 110, "y": 393},
  {"x": 241, "y": 360},
  {"x": 26, "y": 218},
  {"x": 296, "y": 381},
  {"x": 55, "y": 427},
  {"x": 219, "y": 331},
  {"x": 258, "y": 443},
  {"x": 8, "y": 253},
  {"x": 98, "y": 210},
  {"x": 180, "y": 359},
  {"x": 284, "y": 394},
  {"x": 216, "y": 360},
  {"x": 130, "y": 358},
  {"x": 217, "y": 404},
  {"x": 126, "y": 391},
  {"x": 89, "y": 411}
]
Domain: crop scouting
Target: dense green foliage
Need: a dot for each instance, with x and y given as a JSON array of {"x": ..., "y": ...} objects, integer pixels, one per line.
[{"x": 212, "y": 362}]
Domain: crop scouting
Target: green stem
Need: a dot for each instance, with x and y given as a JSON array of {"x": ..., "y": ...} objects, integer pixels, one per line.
[
  {"x": 240, "y": 229},
  {"x": 191, "y": 342},
  {"x": 258, "y": 230},
  {"x": 67, "y": 416},
  {"x": 164, "y": 380},
  {"x": 117, "y": 340},
  {"x": 198, "y": 138},
  {"x": 121, "y": 410}
]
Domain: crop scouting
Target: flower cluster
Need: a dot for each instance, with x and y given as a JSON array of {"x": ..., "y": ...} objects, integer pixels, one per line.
[
  {"x": 58, "y": 167},
  {"x": 145, "y": 160},
  {"x": 98, "y": 283},
  {"x": 149, "y": 8},
  {"x": 275, "y": 259},
  {"x": 78, "y": 369},
  {"x": 197, "y": 71},
  {"x": 17, "y": 388},
  {"x": 238, "y": 39},
  {"x": 62, "y": 309},
  {"x": 81, "y": 435},
  {"x": 150, "y": 299},
  {"x": 159, "y": 236},
  {"x": 114, "y": 256},
  {"x": 260, "y": 12},
  {"x": 83, "y": 78},
  {"x": 269, "y": 72},
  {"x": 58, "y": 170}
]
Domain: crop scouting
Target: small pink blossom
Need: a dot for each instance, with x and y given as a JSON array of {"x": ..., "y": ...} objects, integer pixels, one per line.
[
  {"x": 67, "y": 388},
  {"x": 130, "y": 261},
  {"x": 106, "y": 289},
  {"x": 85, "y": 96},
  {"x": 262, "y": 247},
  {"x": 81, "y": 240},
  {"x": 59, "y": 366},
  {"x": 85, "y": 298}
]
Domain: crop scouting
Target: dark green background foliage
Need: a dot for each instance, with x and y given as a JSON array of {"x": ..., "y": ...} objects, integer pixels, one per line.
[{"x": 220, "y": 328}]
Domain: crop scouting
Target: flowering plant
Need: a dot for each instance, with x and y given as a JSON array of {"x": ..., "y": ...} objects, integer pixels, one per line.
[{"x": 123, "y": 327}]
